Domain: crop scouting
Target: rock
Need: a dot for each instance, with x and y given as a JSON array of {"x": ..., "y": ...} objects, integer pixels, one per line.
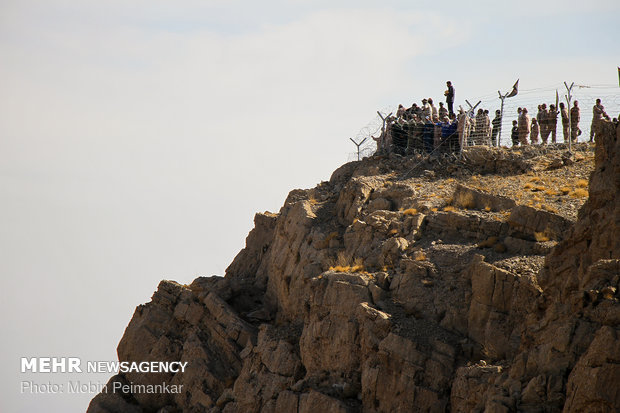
[
  {"x": 378, "y": 204},
  {"x": 526, "y": 221},
  {"x": 349, "y": 299},
  {"x": 470, "y": 198},
  {"x": 590, "y": 384}
]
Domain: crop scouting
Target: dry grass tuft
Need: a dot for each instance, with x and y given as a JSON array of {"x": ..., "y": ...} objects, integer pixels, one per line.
[
  {"x": 449, "y": 208},
  {"x": 581, "y": 183},
  {"x": 410, "y": 211},
  {"x": 420, "y": 256},
  {"x": 541, "y": 237},
  {"x": 579, "y": 193}
]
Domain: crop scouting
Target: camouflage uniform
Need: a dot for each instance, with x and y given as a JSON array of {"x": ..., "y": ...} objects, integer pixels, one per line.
[
  {"x": 598, "y": 112},
  {"x": 535, "y": 131},
  {"x": 564, "y": 114},
  {"x": 575, "y": 117},
  {"x": 552, "y": 122},
  {"x": 544, "y": 125},
  {"x": 523, "y": 127}
]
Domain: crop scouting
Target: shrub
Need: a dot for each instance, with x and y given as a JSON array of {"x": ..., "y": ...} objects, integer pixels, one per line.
[
  {"x": 342, "y": 264},
  {"x": 579, "y": 193}
]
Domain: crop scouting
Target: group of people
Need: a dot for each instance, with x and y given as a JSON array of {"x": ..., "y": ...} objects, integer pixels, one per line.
[
  {"x": 546, "y": 120},
  {"x": 421, "y": 127},
  {"x": 428, "y": 128}
]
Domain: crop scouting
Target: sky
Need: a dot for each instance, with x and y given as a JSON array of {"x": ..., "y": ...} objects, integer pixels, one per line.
[{"x": 139, "y": 138}]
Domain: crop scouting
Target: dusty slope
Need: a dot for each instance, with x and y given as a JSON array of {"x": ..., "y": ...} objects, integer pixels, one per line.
[{"x": 406, "y": 285}]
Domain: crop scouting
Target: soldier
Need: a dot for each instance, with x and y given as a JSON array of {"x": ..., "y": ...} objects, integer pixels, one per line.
[
  {"x": 478, "y": 127},
  {"x": 552, "y": 121},
  {"x": 564, "y": 115},
  {"x": 487, "y": 127},
  {"x": 598, "y": 113},
  {"x": 514, "y": 135},
  {"x": 539, "y": 115},
  {"x": 497, "y": 123},
  {"x": 535, "y": 131},
  {"x": 449, "y": 93},
  {"x": 443, "y": 112},
  {"x": 426, "y": 109},
  {"x": 434, "y": 111},
  {"x": 543, "y": 123},
  {"x": 401, "y": 111},
  {"x": 524, "y": 127},
  {"x": 575, "y": 117}
]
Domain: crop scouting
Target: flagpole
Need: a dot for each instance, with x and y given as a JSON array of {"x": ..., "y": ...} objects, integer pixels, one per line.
[
  {"x": 512, "y": 93},
  {"x": 501, "y": 115}
]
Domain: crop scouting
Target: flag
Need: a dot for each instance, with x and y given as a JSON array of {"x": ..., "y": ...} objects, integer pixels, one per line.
[
  {"x": 515, "y": 89},
  {"x": 618, "y": 75}
]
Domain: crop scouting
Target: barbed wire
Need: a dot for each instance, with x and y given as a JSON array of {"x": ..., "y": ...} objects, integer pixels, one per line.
[{"x": 585, "y": 94}]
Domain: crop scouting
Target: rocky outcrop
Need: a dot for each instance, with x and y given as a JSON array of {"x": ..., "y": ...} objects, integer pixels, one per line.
[{"x": 397, "y": 286}]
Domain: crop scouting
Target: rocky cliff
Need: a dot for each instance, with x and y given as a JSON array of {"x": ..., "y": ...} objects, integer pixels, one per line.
[{"x": 479, "y": 283}]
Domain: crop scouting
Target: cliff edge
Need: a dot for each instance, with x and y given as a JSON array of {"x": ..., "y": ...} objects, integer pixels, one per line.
[{"x": 487, "y": 282}]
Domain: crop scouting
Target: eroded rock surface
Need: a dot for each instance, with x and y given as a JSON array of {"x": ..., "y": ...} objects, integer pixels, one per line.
[{"x": 402, "y": 285}]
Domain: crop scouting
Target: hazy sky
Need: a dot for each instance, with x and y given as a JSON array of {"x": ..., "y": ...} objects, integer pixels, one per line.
[{"x": 138, "y": 138}]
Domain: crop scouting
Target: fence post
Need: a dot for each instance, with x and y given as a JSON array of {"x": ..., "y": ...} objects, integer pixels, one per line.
[
  {"x": 501, "y": 116},
  {"x": 358, "y": 146},
  {"x": 569, "y": 97}
]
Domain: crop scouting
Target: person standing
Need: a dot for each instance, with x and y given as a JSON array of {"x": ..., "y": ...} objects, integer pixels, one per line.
[
  {"x": 598, "y": 113},
  {"x": 449, "y": 93},
  {"x": 497, "y": 123},
  {"x": 434, "y": 111},
  {"x": 552, "y": 121},
  {"x": 575, "y": 117},
  {"x": 487, "y": 127},
  {"x": 514, "y": 135},
  {"x": 443, "y": 112},
  {"x": 564, "y": 115},
  {"x": 524, "y": 127},
  {"x": 535, "y": 131},
  {"x": 426, "y": 109},
  {"x": 543, "y": 123}
]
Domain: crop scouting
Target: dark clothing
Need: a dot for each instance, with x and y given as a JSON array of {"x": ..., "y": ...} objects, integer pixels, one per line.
[
  {"x": 427, "y": 136},
  {"x": 497, "y": 123},
  {"x": 399, "y": 138},
  {"x": 515, "y": 136},
  {"x": 449, "y": 136},
  {"x": 450, "y": 99}
]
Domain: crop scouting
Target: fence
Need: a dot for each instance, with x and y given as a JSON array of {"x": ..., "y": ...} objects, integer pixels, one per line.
[{"x": 586, "y": 95}]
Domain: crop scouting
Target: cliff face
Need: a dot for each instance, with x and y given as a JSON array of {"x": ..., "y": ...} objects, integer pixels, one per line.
[{"x": 405, "y": 285}]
